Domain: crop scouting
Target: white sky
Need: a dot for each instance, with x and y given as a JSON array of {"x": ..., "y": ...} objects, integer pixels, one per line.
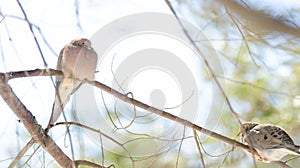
[{"x": 56, "y": 19}]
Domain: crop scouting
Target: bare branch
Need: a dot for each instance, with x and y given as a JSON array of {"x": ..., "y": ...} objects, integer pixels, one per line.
[
  {"x": 21, "y": 153},
  {"x": 90, "y": 164},
  {"x": 33, "y": 34},
  {"x": 30, "y": 123},
  {"x": 124, "y": 97},
  {"x": 99, "y": 132},
  {"x": 76, "y": 5},
  {"x": 197, "y": 141},
  {"x": 46, "y": 142}
]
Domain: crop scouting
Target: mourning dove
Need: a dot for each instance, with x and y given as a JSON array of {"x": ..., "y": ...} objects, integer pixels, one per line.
[
  {"x": 78, "y": 61},
  {"x": 271, "y": 142}
]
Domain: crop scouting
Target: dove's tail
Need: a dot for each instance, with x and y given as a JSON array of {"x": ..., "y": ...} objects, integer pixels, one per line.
[{"x": 65, "y": 88}]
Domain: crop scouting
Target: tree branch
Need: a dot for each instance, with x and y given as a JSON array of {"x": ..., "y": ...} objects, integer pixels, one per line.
[
  {"x": 49, "y": 145},
  {"x": 21, "y": 153},
  {"x": 90, "y": 164},
  {"x": 124, "y": 97},
  {"x": 26, "y": 117}
]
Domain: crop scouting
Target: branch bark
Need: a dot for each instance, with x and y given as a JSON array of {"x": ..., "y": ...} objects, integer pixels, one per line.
[
  {"x": 30, "y": 123},
  {"x": 49, "y": 145},
  {"x": 124, "y": 97}
]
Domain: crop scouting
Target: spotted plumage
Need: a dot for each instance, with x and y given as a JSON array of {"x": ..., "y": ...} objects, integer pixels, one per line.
[{"x": 271, "y": 142}]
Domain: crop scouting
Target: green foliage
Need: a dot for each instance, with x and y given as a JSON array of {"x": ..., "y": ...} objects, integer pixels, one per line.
[{"x": 261, "y": 70}]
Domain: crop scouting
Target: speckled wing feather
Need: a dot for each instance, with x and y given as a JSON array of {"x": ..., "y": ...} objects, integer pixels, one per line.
[{"x": 270, "y": 141}]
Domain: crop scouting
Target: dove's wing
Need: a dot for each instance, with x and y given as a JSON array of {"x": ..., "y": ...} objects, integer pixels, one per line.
[{"x": 78, "y": 62}]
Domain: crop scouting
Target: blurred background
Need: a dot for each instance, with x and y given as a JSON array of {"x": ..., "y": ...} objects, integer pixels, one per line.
[{"x": 257, "y": 44}]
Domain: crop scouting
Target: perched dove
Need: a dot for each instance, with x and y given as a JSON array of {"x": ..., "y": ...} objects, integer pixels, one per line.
[
  {"x": 271, "y": 142},
  {"x": 78, "y": 62}
]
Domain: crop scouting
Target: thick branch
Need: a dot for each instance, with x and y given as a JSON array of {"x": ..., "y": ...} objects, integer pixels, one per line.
[
  {"x": 26, "y": 117},
  {"x": 30, "y": 73}
]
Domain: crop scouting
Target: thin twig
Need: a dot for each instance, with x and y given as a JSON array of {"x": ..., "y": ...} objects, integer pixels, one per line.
[
  {"x": 102, "y": 149},
  {"x": 235, "y": 115},
  {"x": 208, "y": 66},
  {"x": 3, "y": 17},
  {"x": 180, "y": 146},
  {"x": 30, "y": 156},
  {"x": 242, "y": 34},
  {"x": 38, "y": 29},
  {"x": 99, "y": 132},
  {"x": 33, "y": 34},
  {"x": 77, "y": 163},
  {"x": 76, "y": 5},
  {"x": 21, "y": 154},
  {"x": 197, "y": 141}
]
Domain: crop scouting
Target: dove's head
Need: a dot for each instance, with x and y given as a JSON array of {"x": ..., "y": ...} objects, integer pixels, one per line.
[
  {"x": 247, "y": 126},
  {"x": 82, "y": 42}
]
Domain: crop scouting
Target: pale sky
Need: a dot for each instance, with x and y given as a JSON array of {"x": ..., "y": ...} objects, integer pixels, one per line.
[{"x": 57, "y": 21}]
